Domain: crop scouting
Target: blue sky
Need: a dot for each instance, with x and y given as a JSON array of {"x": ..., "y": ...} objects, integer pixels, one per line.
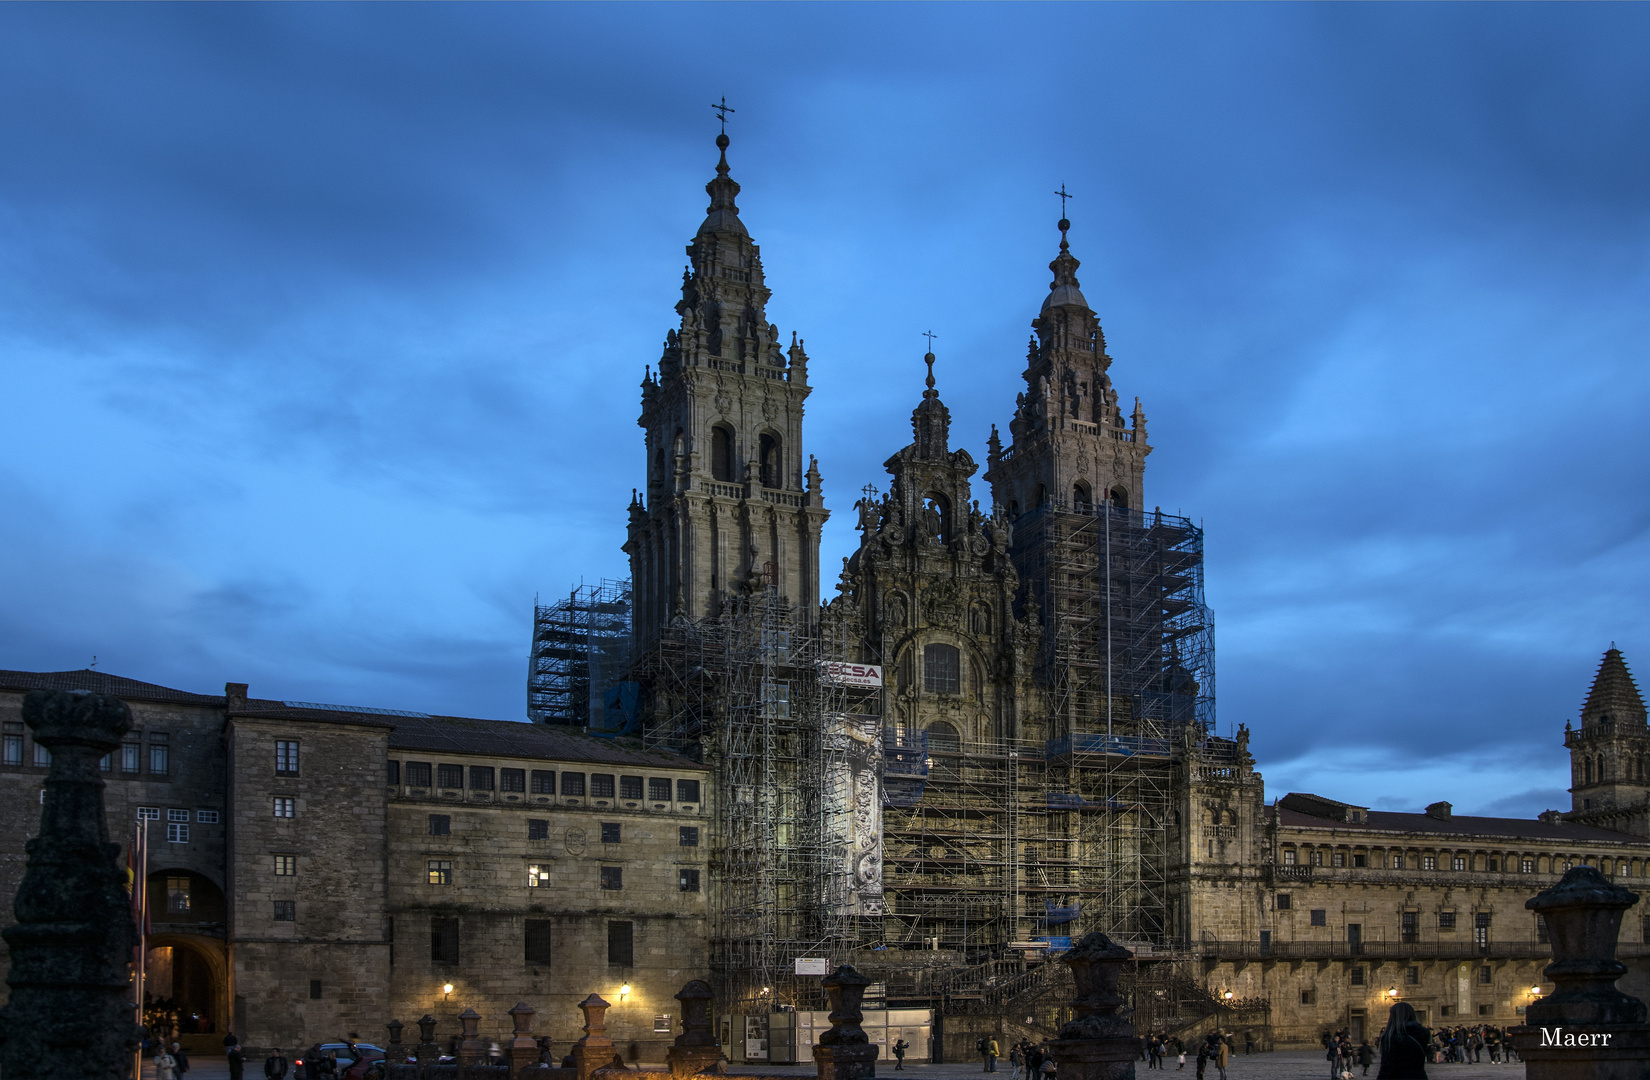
[{"x": 321, "y": 327}]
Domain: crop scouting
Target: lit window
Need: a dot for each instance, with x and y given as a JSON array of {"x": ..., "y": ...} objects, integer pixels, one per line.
[
  {"x": 1458, "y": 863},
  {"x": 1429, "y": 862},
  {"x": 441, "y": 871},
  {"x": 1526, "y": 866},
  {"x": 286, "y": 757},
  {"x": 1317, "y": 857},
  {"x": 177, "y": 895},
  {"x": 206, "y": 817},
  {"x": 1339, "y": 858},
  {"x": 286, "y": 865},
  {"x": 1290, "y": 856},
  {"x": 177, "y": 834},
  {"x": 537, "y": 875},
  {"x": 286, "y": 806}
]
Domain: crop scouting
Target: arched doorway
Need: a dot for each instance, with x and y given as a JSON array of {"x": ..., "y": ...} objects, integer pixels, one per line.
[{"x": 186, "y": 973}]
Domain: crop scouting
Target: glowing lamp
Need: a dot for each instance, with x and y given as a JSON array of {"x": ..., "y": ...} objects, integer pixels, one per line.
[{"x": 624, "y": 991}]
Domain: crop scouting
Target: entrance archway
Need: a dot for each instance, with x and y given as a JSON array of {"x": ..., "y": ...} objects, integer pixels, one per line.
[{"x": 186, "y": 970}]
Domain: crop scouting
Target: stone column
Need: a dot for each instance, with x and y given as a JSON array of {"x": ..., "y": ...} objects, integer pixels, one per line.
[
  {"x": 1586, "y": 1029},
  {"x": 595, "y": 1050},
  {"x": 844, "y": 1052},
  {"x": 428, "y": 1053},
  {"x": 695, "y": 1049},
  {"x": 1099, "y": 1042},
  {"x": 71, "y": 1009},
  {"x": 470, "y": 1048},
  {"x": 523, "y": 1049}
]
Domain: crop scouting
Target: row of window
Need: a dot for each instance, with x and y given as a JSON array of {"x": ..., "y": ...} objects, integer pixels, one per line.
[
  {"x": 129, "y": 756},
  {"x": 1410, "y": 920},
  {"x": 539, "y": 829},
  {"x": 440, "y": 872},
  {"x": 417, "y": 774},
  {"x": 1398, "y": 860},
  {"x": 177, "y": 821}
]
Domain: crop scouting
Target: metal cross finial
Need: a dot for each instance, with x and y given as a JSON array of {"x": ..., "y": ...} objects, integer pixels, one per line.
[
  {"x": 722, "y": 111},
  {"x": 930, "y": 335},
  {"x": 1064, "y": 195}
]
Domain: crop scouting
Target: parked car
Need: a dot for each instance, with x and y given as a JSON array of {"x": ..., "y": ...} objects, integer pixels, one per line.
[{"x": 357, "y": 1062}]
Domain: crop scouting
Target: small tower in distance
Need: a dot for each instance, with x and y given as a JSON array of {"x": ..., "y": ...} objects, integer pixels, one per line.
[{"x": 1610, "y": 753}]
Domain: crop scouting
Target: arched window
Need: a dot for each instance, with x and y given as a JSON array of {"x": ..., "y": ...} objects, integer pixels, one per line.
[
  {"x": 1587, "y": 771},
  {"x": 1081, "y": 498},
  {"x": 1120, "y": 497},
  {"x": 941, "y": 672},
  {"x": 771, "y": 466},
  {"x": 1601, "y": 768},
  {"x": 721, "y": 454}
]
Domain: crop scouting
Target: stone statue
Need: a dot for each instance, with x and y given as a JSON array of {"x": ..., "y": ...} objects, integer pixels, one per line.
[{"x": 71, "y": 1009}]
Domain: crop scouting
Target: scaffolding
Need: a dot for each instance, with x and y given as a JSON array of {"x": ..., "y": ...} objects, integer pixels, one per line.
[
  {"x": 1127, "y": 666},
  {"x": 579, "y": 652}
]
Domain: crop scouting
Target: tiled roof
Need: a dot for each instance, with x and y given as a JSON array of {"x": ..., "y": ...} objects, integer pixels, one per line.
[
  {"x": 504, "y": 738},
  {"x": 1381, "y": 821},
  {"x": 1614, "y": 695},
  {"x": 101, "y": 682}
]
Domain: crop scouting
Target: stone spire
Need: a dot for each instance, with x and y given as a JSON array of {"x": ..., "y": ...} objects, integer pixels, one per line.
[
  {"x": 1063, "y": 291},
  {"x": 722, "y": 214},
  {"x": 931, "y": 421},
  {"x": 1614, "y": 696}
]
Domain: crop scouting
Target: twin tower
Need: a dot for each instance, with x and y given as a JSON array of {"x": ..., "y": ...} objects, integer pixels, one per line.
[{"x": 732, "y": 505}]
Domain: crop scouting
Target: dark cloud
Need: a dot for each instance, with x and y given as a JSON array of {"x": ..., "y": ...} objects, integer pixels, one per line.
[{"x": 322, "y": 326}]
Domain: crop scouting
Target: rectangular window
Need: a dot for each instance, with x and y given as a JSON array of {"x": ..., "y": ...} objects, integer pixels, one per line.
[
  {"x": 440, "y": 871},
  {"x": 177, "y": 815},
  {"x": 687, "y": 881},
  {"x": 441, "y": 825},
  {"x": 537, "y": 874},
  {"x": 177, "y": 834},
  {"x": 630, "y": 787},
  {"x": 1486, "y": 975},
  {"x": 1316, "y": 857},
  {"x": 443, "y": 941},
  {"x": 286, "y": 865},
  {"x": 776, "y": 697},
  {"x": 1357, "y": 976},
  {"x": 1409, "y": 925},
  {"x": 1309, "y": 997},
  {"x": 658, "y": 788},
  {"x": 418, "y": 774},
  {"x": 286, "y": 757},
  {"x": 610, "y": 832},
  {"x": 1429, "y": 862},
  {"x": 1494, "y": 865},
  {"x": 1483, "y": 1010},
  {"x": 286, "y": 911},
  {"x": 941, "y": 669},
  {"x": 1339, "y": 858},
  {"x": 687, "y": 791},
  {"x": 1446, "y": 920},
  {"x": 1360, "y": 861},
  {"x": 1283, "y": 901},
  {"x": 572, "y": 783},
  {"x": 13, "y": 751},
  {"x": 1290, "y": 856},
  {"x": 206, "y": 817},
  {"x": 538, "y": 829},
  {"x": 392, "y": 773},
  {"x": 688, "y": 836},
  {"x": 544, "y": 782},
  {"x": 286, "y": 806},
  {"x": 613, "y": 877},
  {"x": 512, "y": 779},
  {"x": 42, "y": 756},
  {"x": 621, "y": 944},
  {"x": 148, "y": 813},
  {"x": 538, "y": 942},
  {"x": 1458, "y": 862},
  {"x": 1412, "y": 976},
  {"x": 601, "y": 785},
  {"x": 661, "y": 1024},
  {"x": 1320, "y": 916},
  {"x": 481, "y": 778},
  {"x": 1481, "y": 930},
  {"x": 105, "y": 763},
  {"x": 177, "y": 895},
  {"x": 315, "y": 989},
  {"x": 130, "y": 755},
  {"x": 1526, "y": 866},
  {"x": 1398, "y": 860},
  {"x": 449, "y": 776}
]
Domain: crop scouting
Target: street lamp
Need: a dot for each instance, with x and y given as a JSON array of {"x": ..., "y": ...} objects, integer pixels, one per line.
[
  {"x": 624, "y": 991},
  {"x": 1392, "y": 993},
  {"x": 1227, "y": 995},
  {"x": 446, "y": 991},
  {"x": 1535, "y": 991}
]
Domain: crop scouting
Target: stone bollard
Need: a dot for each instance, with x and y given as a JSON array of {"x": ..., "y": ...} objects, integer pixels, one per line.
[
  {"x": 1098, "y": 1042},
  {"x": 470, "y": 1047},
  {"x": 595, "y": 1050},
  {"x": 1586, "y": 1029},
  {"x": 523, "y": 1050},
  {"x": 70, "y": 1013},
  {"x": 428, "y": 1053},
  {"x": 695, "y": 1049},
  {"x": 844, "y": 1052}
]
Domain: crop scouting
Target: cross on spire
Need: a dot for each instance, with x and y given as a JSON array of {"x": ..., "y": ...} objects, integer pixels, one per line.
[
  {"x": 1064, "y": 195},
  {"x": 930, "y": 335},
  {"x": 722, "y": 111},
  {"x": 929, "y": 360}
]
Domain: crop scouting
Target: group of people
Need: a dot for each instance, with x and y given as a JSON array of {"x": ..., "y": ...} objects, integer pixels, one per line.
[
  {"x": 1030, "y": 1061},
  {"x": 1343, "y": 1056}
]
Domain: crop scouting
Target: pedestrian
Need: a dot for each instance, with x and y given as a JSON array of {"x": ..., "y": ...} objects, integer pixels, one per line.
[
  {"x": 236, "y": 1057},
  {"x": 166, "y": 1066},
  {"x": 991, "y": 1052},
  {"x": 1180, "y": 1050},
  {"x": 1366, "y": 1055},
  {"x": 1248, "y": 1041},
  {"x": 1015, "y": 1060},
  {"x": 900, "y": 1046},
  {"x": 181, "y": 1058},
  {"x": 1202, "y": 1059},
  {"x": 1223, "y": 1056},
  {"x": 274, "y": 1065}
]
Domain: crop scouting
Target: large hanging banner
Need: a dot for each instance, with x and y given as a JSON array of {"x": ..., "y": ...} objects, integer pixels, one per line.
[{"x": 853, "y": 814}]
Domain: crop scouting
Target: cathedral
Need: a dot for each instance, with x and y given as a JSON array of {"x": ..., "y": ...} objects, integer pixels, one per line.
[{"x": 991, "y": 734}]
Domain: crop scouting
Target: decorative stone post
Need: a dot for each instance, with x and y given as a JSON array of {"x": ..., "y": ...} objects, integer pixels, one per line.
[
  {"x": 1099, "y": 1042},
  {"x": 523, "y": 1050},
  {"x": 470, "y": 1048},
  {"x": 695, "y": 1049},
  {"x": 844, "y": 1052},
  {"x": 71, "y": 1010},
  {"x": 1586, "y": 1029},
  {"x": 428, "y": 1053},
  {"x": 595, "y": 1050}
]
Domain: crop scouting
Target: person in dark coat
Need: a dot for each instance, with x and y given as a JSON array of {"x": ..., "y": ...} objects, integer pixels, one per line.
[
  {"x": 235, "y": 1056},
  {"x": 1366, "y": 1055},
  {"x": 181, "y": 1058},
  {"x": 275, "y": 1065},
  {"x": 1404, "y": 1045}
]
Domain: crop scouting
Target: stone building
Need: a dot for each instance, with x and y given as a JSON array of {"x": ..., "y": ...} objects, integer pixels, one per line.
[{"x": 316, "y": 869}]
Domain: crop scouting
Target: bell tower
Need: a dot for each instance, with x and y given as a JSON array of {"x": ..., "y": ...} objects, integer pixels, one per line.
[
  {"x": 731, "y": 506},
  {"x": 1610, "y": 752},
  {"x": 1071, "y": 445}
]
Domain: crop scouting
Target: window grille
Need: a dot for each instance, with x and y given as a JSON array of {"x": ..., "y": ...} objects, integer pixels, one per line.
[{"x": 286, "y": 757}]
